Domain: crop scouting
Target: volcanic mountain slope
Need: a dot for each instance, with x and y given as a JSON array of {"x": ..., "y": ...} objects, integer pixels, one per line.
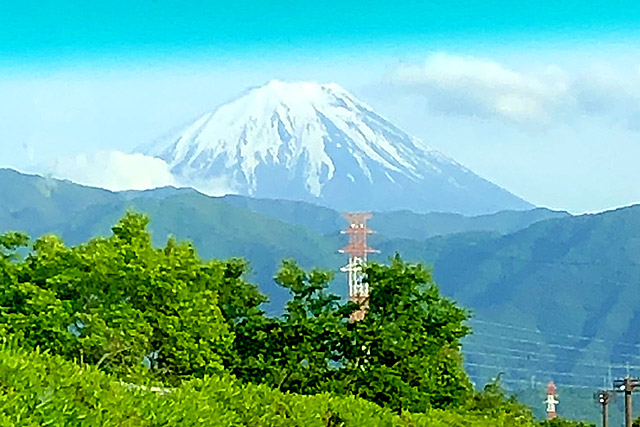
[{"x": 318, "y": 143}]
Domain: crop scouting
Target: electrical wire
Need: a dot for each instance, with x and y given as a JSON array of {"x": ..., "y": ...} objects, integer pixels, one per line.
[
  {"x": 539, "y": 332},
  {"x": 546, "y": 344},
  {"x": 536, "y": 359}
]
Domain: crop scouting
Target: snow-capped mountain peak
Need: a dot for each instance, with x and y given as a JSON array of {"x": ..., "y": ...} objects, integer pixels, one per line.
[{"x": 306, "y": 141}]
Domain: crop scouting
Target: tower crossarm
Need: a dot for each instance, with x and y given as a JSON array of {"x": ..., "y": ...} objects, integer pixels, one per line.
[{"x": 357, "y": 249}]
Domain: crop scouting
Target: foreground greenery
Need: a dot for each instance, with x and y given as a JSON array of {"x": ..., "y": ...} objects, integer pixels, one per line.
[
  {"x": 527, "y": 278},
  {"x": 116, "y": 315},
  {"x": 39, "y": 389}
]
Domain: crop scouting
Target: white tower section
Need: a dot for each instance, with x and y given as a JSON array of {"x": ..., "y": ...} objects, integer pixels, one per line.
[
  {"x": 358, "y": 249},
  {"x": 551, "y": 401}
]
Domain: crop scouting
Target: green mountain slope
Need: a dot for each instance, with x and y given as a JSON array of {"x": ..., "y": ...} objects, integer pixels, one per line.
[
  {"x": 558, "y": 300},
  {"x": 554, "y": 296},
  {"x": 262, "y": 231},
  {"x": 400, "y": 224},
  {"x": 37, "y": 204}
]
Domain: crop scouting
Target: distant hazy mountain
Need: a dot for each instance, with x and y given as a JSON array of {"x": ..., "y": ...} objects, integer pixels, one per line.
[
  {"x": 318, "y": 143},
  {"x": 402, "y": 224}
]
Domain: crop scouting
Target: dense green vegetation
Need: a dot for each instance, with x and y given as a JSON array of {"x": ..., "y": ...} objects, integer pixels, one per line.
[
  {"x": 40, "y": 389},
  {"x": 515, "y": 268},
  {"x": 119, "y": 318}
]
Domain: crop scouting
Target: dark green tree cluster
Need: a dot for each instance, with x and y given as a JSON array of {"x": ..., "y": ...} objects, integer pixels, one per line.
[
  {"x": 405, "y": 353},
  {"x": 120, "y": 304},
  {"x": 493, "y": 400}
]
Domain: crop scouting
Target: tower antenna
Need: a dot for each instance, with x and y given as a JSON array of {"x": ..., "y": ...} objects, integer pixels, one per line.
[
  {"x": 551, "y": 401},
  {"x": 357, "y": 249}
]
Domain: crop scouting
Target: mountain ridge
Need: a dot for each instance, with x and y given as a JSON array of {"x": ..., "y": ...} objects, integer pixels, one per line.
[
  {"x": 572, "y": 282},
  {"x": 244, "y": 227}
]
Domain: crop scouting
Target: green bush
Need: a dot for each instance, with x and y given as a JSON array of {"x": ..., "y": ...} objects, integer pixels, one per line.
[
  {"x": 118, "y": 302},
  {"x": 38, "y": 389}
]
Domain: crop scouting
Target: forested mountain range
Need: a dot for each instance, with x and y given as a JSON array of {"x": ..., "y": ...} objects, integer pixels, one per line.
[
  {"x": 554, "y": 296},
  {"x": 263, "y": 231}
]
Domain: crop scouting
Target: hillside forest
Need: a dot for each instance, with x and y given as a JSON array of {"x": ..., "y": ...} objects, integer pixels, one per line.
[{"x": 117, "y": 331}]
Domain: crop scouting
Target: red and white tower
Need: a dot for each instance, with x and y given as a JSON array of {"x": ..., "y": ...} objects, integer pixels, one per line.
[
  {"x": 551, "y": 401},
  {"x": 358, "y": 249}
]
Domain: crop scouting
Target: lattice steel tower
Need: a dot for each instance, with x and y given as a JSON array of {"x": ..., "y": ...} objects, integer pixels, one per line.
[
  {"x": 358, "y": 249},
  {"x": 551, "y": 401}
]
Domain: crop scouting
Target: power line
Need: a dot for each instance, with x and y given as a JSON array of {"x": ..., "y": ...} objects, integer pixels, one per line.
[
  {"x": 539, "y": 332},
  {"x": 531, "y": 371},
  {"x": 536, "y": 359},
  {"x": 526, "y": 352},
  {"x": 545, "y": 344},
  {"x": 529, "y": 354},
  {"x": 542, "y": 384}
]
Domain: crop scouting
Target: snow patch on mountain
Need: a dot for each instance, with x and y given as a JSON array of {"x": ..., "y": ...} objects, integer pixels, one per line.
[{"x": 306, "y": 141}]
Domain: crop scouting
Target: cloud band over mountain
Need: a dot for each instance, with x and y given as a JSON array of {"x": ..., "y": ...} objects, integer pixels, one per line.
[
  {"x": 475, "y": 86},
  {"x": 113, "y": 170}
]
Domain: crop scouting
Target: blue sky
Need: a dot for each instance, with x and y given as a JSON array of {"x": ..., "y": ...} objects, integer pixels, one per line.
[
  {"x": 542, "y": 98},
  {"x": 75, "y": 26}
]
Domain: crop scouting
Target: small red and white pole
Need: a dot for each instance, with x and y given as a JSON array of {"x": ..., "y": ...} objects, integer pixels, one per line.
[{"x": 551, "y": 401}]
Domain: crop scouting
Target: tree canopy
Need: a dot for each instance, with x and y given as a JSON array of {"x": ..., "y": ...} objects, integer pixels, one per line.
[
  {"x": 143, "y": 313},
  {"x": 119, "y": 303}
]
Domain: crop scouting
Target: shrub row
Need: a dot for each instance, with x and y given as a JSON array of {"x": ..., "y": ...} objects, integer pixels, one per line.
[{"x": 38, "y": 389}]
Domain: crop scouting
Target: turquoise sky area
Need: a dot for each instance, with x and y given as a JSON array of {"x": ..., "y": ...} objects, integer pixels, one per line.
[
  {"x": 68, "y": 30},
  {"x": 541, "y": 98}
]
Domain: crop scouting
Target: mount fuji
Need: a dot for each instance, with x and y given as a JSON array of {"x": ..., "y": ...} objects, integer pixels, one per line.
[{"x": 318, "y": 143}]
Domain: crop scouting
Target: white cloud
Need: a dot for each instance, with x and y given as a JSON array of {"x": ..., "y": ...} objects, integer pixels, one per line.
[
  {"x": 113, "y": 170},
  {"x": 473, "y": 86},
  {"x": 466, "y": 85}
]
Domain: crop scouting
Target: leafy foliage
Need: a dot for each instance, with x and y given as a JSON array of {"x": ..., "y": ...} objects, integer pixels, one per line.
[
  {"x": 404, "y": 355},
  {"x": 300, "y": 351},
  {"x": 38, "y": 389},
  {"x": 407, "y": 348},
  {"x": 493, "y": 400},
  {"x": 118, "y": 302}
]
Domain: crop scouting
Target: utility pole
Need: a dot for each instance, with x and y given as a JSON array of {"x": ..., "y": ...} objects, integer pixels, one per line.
[
  {"x": 627, "y": 385},
  {"x": 551, "y": 401},
  {"x": 604, "y": 398}
]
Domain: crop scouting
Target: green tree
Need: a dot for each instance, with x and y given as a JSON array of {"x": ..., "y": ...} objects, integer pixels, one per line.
[
  {"x": 299, "y": 352},
  {"x": 493, "y": 401},
  {"x": 117, "y": 302},
  {"x": 405, "y": 353}
]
